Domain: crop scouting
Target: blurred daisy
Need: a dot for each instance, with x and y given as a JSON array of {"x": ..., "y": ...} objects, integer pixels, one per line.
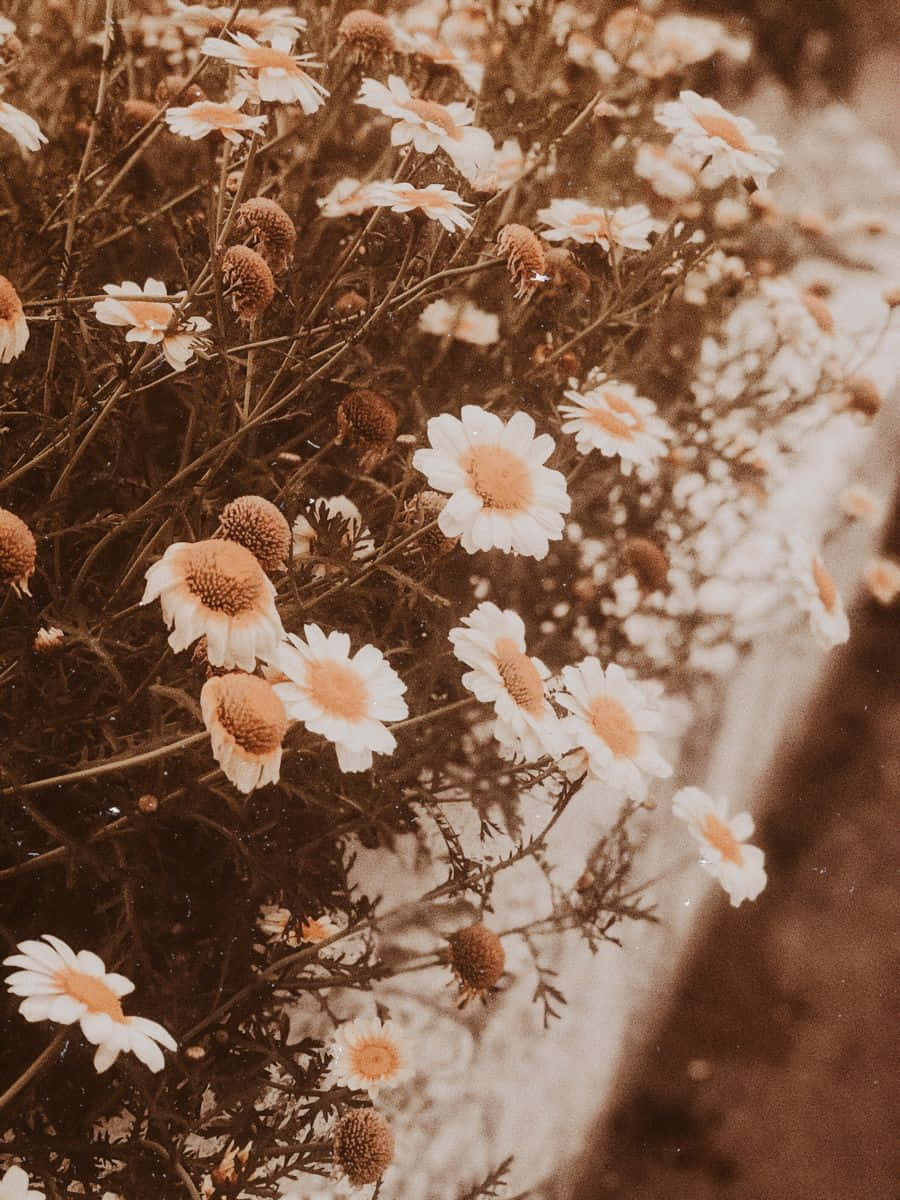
[
  {"x": 721, "y": 145},
  {"x": 882, "y": 578},
  {"x": 816, "y": 594},
  {"x": 48, "y": 639},
  {"x": 60, "y": 985},
  {"x": 464, "y": 321},
  {"x": 861, "y": 504},
  {"x": 434, "y": 201},
  {"x": 246, "y": 723},
  {"x": 151, "y": 320},
  {"x": 347, "y": 198},
  {"x": 612, "y": 724},
  {"x": 722, "y": 839},
  {"x": 273, "y": 921},
  {"x": 670, "y": 174},
  {"x": 13, "y": 325},
  {"x": 20, "y": 126},
  {"x": 14, "y": 1184},
  {"x": 206, "y": 116},
  {"x": 423, "y": 45},
  {"x": 614, "y": 419},
  {"x": 368, "y": 1056},
  {"x": 217, "y": 589},
  {"x": 344, "y": 699},
  {"x": 627, "y": 227},
  {"x": 277, "y": 74},
  {"x": 197, "y": 19},
  {"x": 501, "y": 494},
  {"x": 503, "y": 674},
  {"x": 325, "y": 509},
  {"x": 690, "y": 39},
  {"x": 319, "y": 929}
]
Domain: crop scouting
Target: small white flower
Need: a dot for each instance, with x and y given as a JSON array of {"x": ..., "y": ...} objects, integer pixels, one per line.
[
  {"x": 14, "y": 1184},
  {"x": 861, "y": 504},
  {"x": 20, "y": 126},
  {"x": 721, "y": 145},
  {"x": 435, "y": 201},
  {"x": 585, "y": 223},
  {"x": 502, "y": 497},
  {"x": 614, "y": 419},
  {"x": 347, "y": 198},
  {"x": 151, "y": 320},
  {"x": 344, "y": 699},
  {"x": 692, "y": 39},
  {"x": 464, "y": 321},
  {"x": 816, "y": 594},
  {"x": 60, "y": 985},
  {"x": 724, "y": 852},
  {"x": 369, "y": 1055},
  {"x": 278, "y": 74},
  {"x": 503, "y": 674},
  {"x": 195, "y": 121},
  {"x": 670, "y": 174}
]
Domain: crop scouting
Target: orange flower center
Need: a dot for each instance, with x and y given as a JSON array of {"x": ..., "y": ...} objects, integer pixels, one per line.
[
  {"x": 720, "y": 836},
  {"x": 614, "y": 425},
  {"x": 150, "y": 313},
  {"x": 374, "y": 1059},
  {"x": 10, "y": 305},
  {"x": 219, "y": 116},
  {"x": 722, "y": 127},
  {"x": 93, "y": 992},
  {"x": 825, "y": 585},
  {"x": 520, "y": 676},
  {"x": 225, "y": 578},
  {"x": 251, "y": 712},
  {"x": 424, "y": 198},
  {"x": 259, "y": 58},
  {"x": 595, "y": 221},
  {"x": 313, "y": 931},
  {"x": 434, "y": 114},
  {"x": 612, "y": 724},
  {"x": 499, "y": 478},
  {"x": 338, "y": 690}
]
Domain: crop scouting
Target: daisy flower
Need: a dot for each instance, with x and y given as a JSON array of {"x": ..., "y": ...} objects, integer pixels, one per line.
[
  {"x": 347, "y": 198},
  {"x": 428, "y": 125},
  {"x": 435, "y": 201},
  {"x": 196, "y": 120},
  {"x": 721, "y": 145},
  {"x": 423, "y": 45},
  {"x": 584, "y": 223},
  {"x": 464, "y": 321},
  {"x": 217, "y": 589},
  {"x": 246, "y": 723},
  {"x": 13, "y": 326},
  {"x": 669, "y": 173},
  {"x": 151, "y": 319},
  {"x": 344, "y": 699},
  {"x": 368, "y": 1056},
  {"x": 356, "y": 533},
  {"x": 197, "y": 19},
  {"x": 501, "y": 494},
  {"x": 60, "y": 985},
  {"x": 816, "y": 594},
  {"x": 861, "y": 504},
  {"x": 277, "y": 74},
  {"x": 692, "y": 39},
  {"x": 722, "y": 839},
  {"x": 614, "y": 419},
  {"x": 20, "y": 126},
  {"x": 14, "y": 1184},
  {"x": 492, "y": 643},
  {"x": 612, "y": 722},
  {"x": 318, "y": 929}
]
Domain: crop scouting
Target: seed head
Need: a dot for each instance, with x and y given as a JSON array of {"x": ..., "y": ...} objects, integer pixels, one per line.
[
  {"x": 18, "y": 552},
  {"x": 526, "y": 258},
  {"x": 271, "y": 229},
  {"x": 363, "y": 1146},
  {"x": 477, "y": 959},
  {"x": 368, "y": 423},
  {"x": 862, "y": 396},
  {"x": 175, "y": 89},
  {"x": 249, "y": 278},
  {"x": 648, "y": 564},
  {"x": 148, "y": 803},
  {"x": 257, "y": 524},
  {"x": 366, "y": 36}
]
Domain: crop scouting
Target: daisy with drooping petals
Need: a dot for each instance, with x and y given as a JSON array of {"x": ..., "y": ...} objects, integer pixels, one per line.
[
  {"x": 20, "y": 126},
  {"x": 247, "y": 723},
  {"x": 464, "y": 321},
  {"x": 816, "y": 594},
  {"x": 14, "y": 1184},
  {"x": 151, "y": 319},
  {"x": 612, "y": 722},
  {"x": 724, "y": 852},
  {"x": 347, "y": 198},
  {"x": 346, "y": 700},
  {"x": 218, "y": 589},
  {"x": 717, "y": 142},
  {"x": 502, "y": 496},
  {"x": 503, "y": 674},
  {"x": 586, "y": 223},
  {"x": 614, "y": 419},
  {"x": 13, "y": 326},
  {"x": 278, "y": 74},
  {"x": 369, "y": 1055},
  {"x": 60, "y": 985},
  {"x": 196, "y": 120},
  {"x": 435, "y": 201}
]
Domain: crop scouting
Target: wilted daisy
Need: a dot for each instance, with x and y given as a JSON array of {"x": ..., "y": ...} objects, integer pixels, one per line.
[
  {"x": 882, "y": 577},
  {"x": 198, "y": 19},
  {"x": 278, "y": 74},
  {"x": 721, "y": 145},
  {"x": 368, "y": 1055},
  {"x": 816, "y": 594},
  {"x": 612, "y": 723},
  {"x": 13, "y": 326},
  {"x": 722, "y": 839},
  {"x": 492, "y": 643},
  {"x": 434, "y": 201},
  {"x": 151, "y": 320},
  {"x": 246, "y": 723},
  {"x": 585, "y": 223},
  {"x": 18, "y": 552},
  {"x": 344, "y": 699},
  {"x": 614, "y": 419},
  {"x": 19, "y": 125},
  {"x": 501, "y": 494},
  {"x": 464, "y": 321},
  {"x": 15, "y": 1184},
  {"x": 355, "y": 535},
  {"x": 347, "y": 198},
  {"x": 670, "y": 174},
  {"x": 60, "y": 985},
  {"x": 216, "y": 589},
  {"x": 196, "y": 120}
]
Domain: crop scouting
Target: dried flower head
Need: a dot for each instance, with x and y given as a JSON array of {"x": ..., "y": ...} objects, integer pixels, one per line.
[
  {"x": 350, "y": 304},
  {"x": 477, "y": 959},
  {"x": 175, "y": 88},
  {"x": 271, "y": 229},
  {"x": 249, "y": 278},
  {"x": 421, "y": 511},
  {"x": 648, "y": 564},
  {"x": 136, "y": 112},
  {"x": 366, "y": 37},
  {"x": 48, "y": 639},
  {"x": 18, "y": 552},
  {"x": 148, "y": 803},
  {"x": 526, "y": 258},
  {"x": 256, "y": 523},
  {"x": 862, "y": 396},
  {"x": 368, "y": 423},
  {"x": 247, "y": 723},
  {"x": 13, "y": 326},
  {"x": 363, "y": 1146}
]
